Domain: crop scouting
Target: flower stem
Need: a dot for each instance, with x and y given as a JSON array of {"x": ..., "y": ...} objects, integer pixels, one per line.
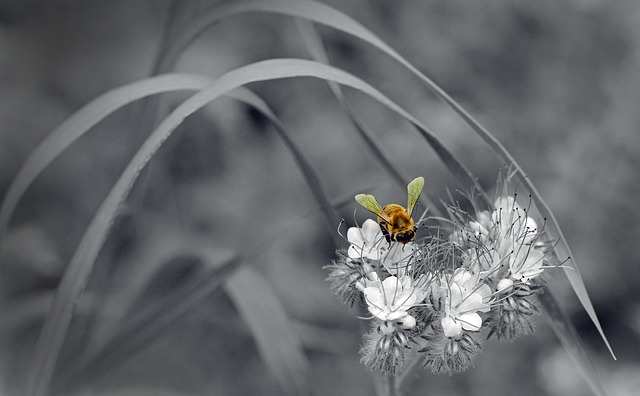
[
  {"x": 391, "y": 386},
  {"x": 408, "y": 372}
]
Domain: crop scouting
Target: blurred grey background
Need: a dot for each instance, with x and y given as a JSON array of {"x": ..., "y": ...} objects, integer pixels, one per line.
[{"x": 557, "y": 82}]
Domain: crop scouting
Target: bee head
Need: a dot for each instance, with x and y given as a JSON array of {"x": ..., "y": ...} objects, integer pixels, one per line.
[{"x": 405, "y": 236}]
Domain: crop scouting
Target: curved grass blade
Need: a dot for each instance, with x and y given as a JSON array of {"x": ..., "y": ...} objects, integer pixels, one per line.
[
  {"x": 148, "y": 324},
  {"x": 322, "y": 14},
  {"x": 74, "y": 280},
  {"x": 21, "y": 314},
  {"x": 83, "y": 120},
  {"x": 275, "y": 336},
  {"x": 101, "y": 107},
  {"x": 571, "y": 342},
  {"x": 326, "y": 15},
  {"x": 310, "y": 175},
  {"x": 109, "y": 102},
  {"x": 314, "y": 45}
]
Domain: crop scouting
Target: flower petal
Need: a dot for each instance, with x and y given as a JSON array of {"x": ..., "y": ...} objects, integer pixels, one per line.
[
  {"x": 461, "y": 276},
  {"x": 526, "y": 264},
  {"x": 470, "y": 321},
  {"x": 456, "y": 294},
  {"x": 373, "y": 297},
  {"x": 397, "y": 258},
  {"x": 355, "y": 252},
  {"x": 371, "y": 231},
  {"x": 392, "y": 289},
  {"x": 397, "y": 315},
  {"x": 471, "y": 303},
  {"x": 354, "y": 236},
  {"x": 452, "y": 328}
]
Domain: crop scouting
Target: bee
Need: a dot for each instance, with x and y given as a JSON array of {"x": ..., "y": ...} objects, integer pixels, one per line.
[{"x": 394, "y": 220}]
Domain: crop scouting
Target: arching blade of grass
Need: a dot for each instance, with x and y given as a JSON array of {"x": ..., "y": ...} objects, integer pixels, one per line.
[
  {"x": 74, "y": 280},
  {"x": 571, "y": 342},
  {"x": 326, "y": 15},
  {"x": 83, "y": 120},
  {"x": 24, "y": 313},
  {"x": 319, "y": 13},
  {"x": 279, "y": 345},
  {"x": 127, "y": 340},
  {"x": 316, "y": 12},
  {"x": 314, "y": 45},
  {"x": 101, "y": 107},
  {"x": 310, "y": 175},
  {"x": 150, "y": 322},
  {"x": 109, "y": 102}
]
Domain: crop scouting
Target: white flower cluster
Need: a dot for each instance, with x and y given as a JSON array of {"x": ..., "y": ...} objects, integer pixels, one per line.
[
  {"x": 440, "y": 293},
  {"x": 504, "y": 238}
]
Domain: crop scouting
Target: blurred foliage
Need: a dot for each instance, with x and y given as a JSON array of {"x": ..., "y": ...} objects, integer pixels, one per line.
[{"x": 557, "y": 82}]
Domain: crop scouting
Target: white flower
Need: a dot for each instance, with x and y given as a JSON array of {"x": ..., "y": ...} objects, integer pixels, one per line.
[
  {"x": 396, "y": 257},
  {"x": 482, "y": 261},
  {"x": 465, "y": 295},
  {"x": 390, "y": 299},
  {"x": 368, "y": 242},
  {"x": 473, "y": 233},
  {"x": 504, "y": 284},
  {"x": 504, "y": 238},
  {"x": 512, "y": 225},
  {"x": 365, "y": 241},
  {"x": 526, "y": 264}
]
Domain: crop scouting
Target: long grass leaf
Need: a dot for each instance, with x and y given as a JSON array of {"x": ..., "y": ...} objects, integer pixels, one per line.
[
  {"x": 310, "y": 175},
  {"x": 326, "y": 15},
  {"x": 74, "y": 280},
  {"x": 322, "y": 14},
  {"x": 315, "y": 46},
  {"x": 571, "y": 343},
  {"x": 277, "y": 341},
  {"x": 80, "y": 122},
  {"x": 149, "y": 323},
  {"x": 101, "y": 107},
  {"x": 21, "y": 314}
]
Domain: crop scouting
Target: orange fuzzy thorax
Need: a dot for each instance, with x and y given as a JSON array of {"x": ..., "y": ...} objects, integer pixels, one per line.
[{"x": 400, "y": 227}]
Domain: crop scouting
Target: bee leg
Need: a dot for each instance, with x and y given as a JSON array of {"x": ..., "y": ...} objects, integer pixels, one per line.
[{"x": 386, "y": 234}]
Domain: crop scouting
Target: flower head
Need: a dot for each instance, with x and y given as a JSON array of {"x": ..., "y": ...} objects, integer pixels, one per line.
[
  {"x": 514, "y": 312},
  {"x": 446, "y": 355},
  {"x": 344, "y": 274},
  {"x": 501, "y": 244},
  {"x": 466, "y": 295},
  {"x": 526, "y": 264},
  {"x": 384, "y": 351},
  {"x": 390, "y": 299},
  {"x": 512, "y": 227},
  {"x": 368, "y": 243}
]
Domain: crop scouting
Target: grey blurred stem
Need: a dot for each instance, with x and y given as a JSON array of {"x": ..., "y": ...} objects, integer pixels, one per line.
[{"x": 391, "y": 385}]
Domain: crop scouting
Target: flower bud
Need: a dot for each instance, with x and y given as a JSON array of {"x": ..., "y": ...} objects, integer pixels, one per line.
[
  {"x": 387, "y": 327},
  {"x": 407, "y": 323},
  {"x": 449, "y": 356},
  {"x": 504, "y": 284}
]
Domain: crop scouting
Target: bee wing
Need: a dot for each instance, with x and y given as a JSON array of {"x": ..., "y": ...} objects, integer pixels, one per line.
[
  {"x": 414, "y": 189},
  {"x": 369, "y": 202}
]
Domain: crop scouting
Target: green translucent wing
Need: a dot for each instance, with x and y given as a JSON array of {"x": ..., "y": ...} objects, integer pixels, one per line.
[
  {"x": 369, "y": 202},
  {"x": 414, "y": 189}
]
